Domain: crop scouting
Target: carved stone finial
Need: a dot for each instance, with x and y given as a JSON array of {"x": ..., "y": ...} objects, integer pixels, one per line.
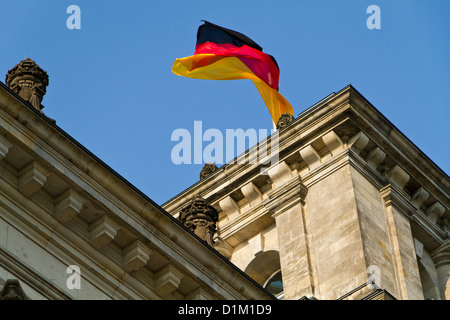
[
  {"x": 208, "y": 168},
  {"x": 12, "y": 291},
  {"x": 284, "y": 120},
  {"x": 29, "y": 81},
  {"x": 200, "y": 217}
]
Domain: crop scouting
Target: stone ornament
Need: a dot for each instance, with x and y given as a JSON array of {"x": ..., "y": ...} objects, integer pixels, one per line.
[
  {"x": 200, "y": 218},
  {"x": 208, "y": 169},
  {"x": 284, "y": 120},
  {"x": 29, "y": 81},
  {"x": 13, "y": 291}
]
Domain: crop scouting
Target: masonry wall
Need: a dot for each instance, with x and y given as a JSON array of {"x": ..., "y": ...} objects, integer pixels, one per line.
[
  {"x": 295, "y": 257},
  {"x": 39, "y": 265},
  {"x": 374, "y": 231},
  {"x": 335, "y": 235},
  {"x": 355, "y": 236},
  {"x": 404, "y": 255}
]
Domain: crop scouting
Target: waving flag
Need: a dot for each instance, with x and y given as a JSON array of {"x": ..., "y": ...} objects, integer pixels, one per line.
[{"x": 223, "y": 54}]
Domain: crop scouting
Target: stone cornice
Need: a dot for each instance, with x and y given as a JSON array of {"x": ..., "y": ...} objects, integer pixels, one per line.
[
  {"x": 263, "y": 214},
  {"x": 347, "y": 106},
  {"x": 398, "y": 146},
  {"x": 290, "y": 137},
  {"x": 391, "y": 140},
  {"x": 256, "y": 215},
  {"x": 352, "y": 113}
]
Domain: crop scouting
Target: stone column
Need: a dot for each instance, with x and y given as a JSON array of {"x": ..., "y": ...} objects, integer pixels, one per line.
[
  {"x": 441, "y": 258},
  {"x": 286, "y": 204}
]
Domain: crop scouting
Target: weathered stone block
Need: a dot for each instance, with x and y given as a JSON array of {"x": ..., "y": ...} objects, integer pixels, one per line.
[
  {"x": 252, "y": 193},
  {"x": 102, "y": 231},
  {"x": 167, "y": 280},
  {"x": 32, "y": 178},
  {"x": 135, "y": 256},
  {"x": 419, "y": 196},
  {"x": 358, "y": 142},
  {"x": 5, "y": 145},
  {"x": 435, "y": 211},
  {"x": 229, "y": 207},
  {"x": 333, "y": 143},
  {"x": 310, "y": 156},
  {"x": 67, "y": 205},
  {"x": 375, "y": 157}
]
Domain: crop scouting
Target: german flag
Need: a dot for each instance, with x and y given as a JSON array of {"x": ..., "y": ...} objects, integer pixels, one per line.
[{"x": 223, "y": 54}]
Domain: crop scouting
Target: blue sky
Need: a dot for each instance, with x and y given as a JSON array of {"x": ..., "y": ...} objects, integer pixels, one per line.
[{"x": 112, "y": 89}]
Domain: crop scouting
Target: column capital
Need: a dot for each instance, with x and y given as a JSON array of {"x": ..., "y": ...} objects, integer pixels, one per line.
[
  {"x": 392, "y": 195},
  {"x": 286, "y": 196},
  {"x": 441, "y": 255}
]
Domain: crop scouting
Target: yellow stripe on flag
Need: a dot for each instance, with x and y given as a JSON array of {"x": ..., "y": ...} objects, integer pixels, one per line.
[{"x": 213, "y": 67}]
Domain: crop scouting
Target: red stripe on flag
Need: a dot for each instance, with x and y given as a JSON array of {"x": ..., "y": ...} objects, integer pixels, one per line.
[{"x": 257, "y": 61}]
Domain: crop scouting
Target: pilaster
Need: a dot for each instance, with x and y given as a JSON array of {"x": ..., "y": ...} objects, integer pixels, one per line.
[
  {"x": 334, "y": 230},
  {"x": 402, "y": 244},
  {"x": 286, "y": 204}
]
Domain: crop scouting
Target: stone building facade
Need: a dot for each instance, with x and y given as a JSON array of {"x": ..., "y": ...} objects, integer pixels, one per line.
[
  {"x": 352, "y": 210},
  {"x": 351, "y": 200},
  {"x": 64, "y": 213}
]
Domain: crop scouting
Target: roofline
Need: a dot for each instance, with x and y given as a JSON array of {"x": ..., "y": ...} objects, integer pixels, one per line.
[
  {"x": 398, "y": 130},
  {"x": 315, "y": 107}
]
